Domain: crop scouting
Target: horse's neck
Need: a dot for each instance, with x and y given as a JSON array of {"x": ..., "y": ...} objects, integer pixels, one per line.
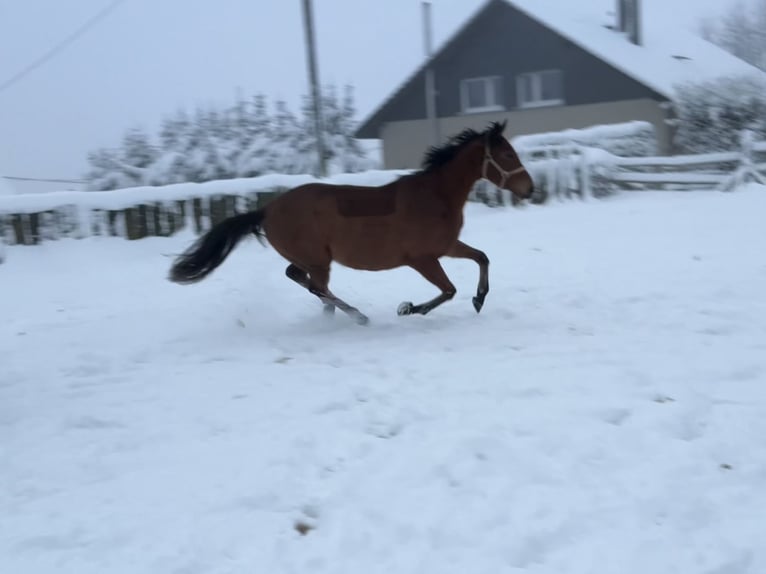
[{"x": 458, "y": 178}]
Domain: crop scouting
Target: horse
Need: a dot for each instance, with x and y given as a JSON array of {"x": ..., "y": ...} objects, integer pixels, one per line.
[{"x": 412, "y": 221}]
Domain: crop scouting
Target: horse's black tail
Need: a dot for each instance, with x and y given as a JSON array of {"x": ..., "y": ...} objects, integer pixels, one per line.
[{"x": 210, "y": 250}]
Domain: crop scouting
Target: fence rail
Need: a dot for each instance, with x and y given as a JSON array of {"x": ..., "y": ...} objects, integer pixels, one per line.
[
  {"x": 141, "y": 212},
  {"x": 559, "y": 172},
  {"x": 157, "y": 219},
  {"x": 586, "y": 172}
]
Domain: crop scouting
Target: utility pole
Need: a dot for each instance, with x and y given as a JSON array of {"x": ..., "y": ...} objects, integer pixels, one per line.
[
  {"x": 308, "y": 26},
  {"x": 429, "y": 76}
]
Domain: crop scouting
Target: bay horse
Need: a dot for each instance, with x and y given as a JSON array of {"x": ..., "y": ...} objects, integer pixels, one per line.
[{"x": 411, "y": 221}]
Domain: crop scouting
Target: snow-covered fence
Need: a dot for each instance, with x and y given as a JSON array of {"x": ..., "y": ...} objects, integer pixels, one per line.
[
  {"x": 79, "y": 214},
  {"x": 572, "y": 170},
  {"x": 627, "y": 139},
  {"x": 722, "y": 170},
  {"x": 134, "y": 213},
  {"x": 559, "y": 172}
]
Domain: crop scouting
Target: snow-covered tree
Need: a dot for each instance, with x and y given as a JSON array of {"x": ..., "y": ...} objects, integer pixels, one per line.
[
  {"x": 741, "y": 31},
  {"x": 712, "y": 114},
  {"x": 245, "y": 139},
  {"x": 342, "y": 151}
]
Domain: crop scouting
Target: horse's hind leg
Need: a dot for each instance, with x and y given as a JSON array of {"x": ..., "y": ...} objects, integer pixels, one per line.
[
  {"x": 432, "y": 270},
  {"x": 302, "y": 278},
  {"x": 319, "y": 280}
]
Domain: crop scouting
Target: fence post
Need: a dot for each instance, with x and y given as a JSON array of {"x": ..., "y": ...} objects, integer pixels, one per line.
[
  {"x": 550, "y": 172},
  {"x": 747, "y": 169},
  {"x": 584, "y": 173},
  {"x": 746, "y": 163},
  {"x": 748, "y": 158}
]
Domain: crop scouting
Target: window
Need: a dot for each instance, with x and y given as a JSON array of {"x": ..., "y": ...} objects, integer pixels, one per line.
[
  {"x": 481, "y": 94},
  {"x": 540, "y": 89}
]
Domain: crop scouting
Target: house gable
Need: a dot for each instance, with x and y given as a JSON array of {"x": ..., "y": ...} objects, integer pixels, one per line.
[{"x": 502, "y": 42}]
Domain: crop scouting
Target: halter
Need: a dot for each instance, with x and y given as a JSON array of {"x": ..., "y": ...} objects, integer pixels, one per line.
[{"x": 488, "y": 159}]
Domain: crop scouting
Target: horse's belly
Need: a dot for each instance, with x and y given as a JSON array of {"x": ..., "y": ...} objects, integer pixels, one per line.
[{"x": 370, "y": 247}]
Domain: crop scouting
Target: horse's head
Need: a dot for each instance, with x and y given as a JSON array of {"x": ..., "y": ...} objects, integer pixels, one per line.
[{"x": 501, "y": 164}]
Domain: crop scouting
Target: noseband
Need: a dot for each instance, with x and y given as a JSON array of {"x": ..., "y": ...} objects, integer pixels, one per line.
[{"x": 504, "y": 175}]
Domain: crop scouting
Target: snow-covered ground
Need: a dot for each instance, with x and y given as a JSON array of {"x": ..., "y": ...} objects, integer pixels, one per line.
[{"x": 606, "y": 413}]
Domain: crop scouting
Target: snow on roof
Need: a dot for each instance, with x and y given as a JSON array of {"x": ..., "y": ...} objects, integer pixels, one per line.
[{"x": 668, "y": 55}]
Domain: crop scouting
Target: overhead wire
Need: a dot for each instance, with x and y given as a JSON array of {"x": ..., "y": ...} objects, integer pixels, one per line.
[{"x": 61, "y": 46}]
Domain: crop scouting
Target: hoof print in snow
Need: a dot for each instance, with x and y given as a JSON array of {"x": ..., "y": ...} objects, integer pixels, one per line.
[
  {"x": 726, "y": 466},
  {"x": 307, "y": 522},
  {"x": 662, "y": 399},
  {"x": 616, "y": 416},
  {"x": 283, "y": 360},
  {"x": 384, "y": 430},
  {"x": 241, "y": 323},
  {"x": 302, "y": 527}
]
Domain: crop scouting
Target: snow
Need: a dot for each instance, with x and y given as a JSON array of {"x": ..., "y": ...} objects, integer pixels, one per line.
[
  {"x": 668, "y": 56},
  {"x": 605, "y": 412},
  {"x": 685, "y": 178},
  {"x": 132, "y": 196},
  {"x": 681, "y": 160},
  {"x": 626, "y": 138}
]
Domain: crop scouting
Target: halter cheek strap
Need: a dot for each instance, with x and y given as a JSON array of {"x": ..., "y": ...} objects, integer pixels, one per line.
[{"x": 504, "y": 175}]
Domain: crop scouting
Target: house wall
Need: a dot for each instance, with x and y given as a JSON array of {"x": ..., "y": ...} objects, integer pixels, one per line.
[{"x": 405, "y": 142}]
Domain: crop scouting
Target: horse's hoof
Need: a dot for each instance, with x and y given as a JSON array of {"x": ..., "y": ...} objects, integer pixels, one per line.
[
  {"x": 478, "y": 304},
  {"x": 362, "y": 319},
  {"x": 404, "y": 309},
  {"x": 328, "y": 310}
]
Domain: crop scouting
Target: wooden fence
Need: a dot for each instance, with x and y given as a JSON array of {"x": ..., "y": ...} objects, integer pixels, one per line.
[
  {"x": 723, "y": 171},
  {"x": 146, "y": 219},
  {"x": 574, "y": 171}
]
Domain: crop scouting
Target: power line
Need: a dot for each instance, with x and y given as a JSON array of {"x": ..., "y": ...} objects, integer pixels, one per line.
[
  {"x": 45, "y": 180},
  {"x": 55, "y": 50}
]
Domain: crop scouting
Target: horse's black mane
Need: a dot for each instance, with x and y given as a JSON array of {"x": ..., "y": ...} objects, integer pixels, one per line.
[{"x": 438, "y": 156}]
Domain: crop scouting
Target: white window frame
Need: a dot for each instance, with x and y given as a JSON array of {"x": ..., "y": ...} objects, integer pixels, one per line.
[
  {"x": 492, "y": 89},
  {"x": 537, "y": 89}
]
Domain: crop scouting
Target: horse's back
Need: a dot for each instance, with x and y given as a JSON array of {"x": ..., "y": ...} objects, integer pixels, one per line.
[{"x": 369, "y": 228}]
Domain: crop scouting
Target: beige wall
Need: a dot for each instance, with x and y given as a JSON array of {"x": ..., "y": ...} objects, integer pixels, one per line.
[{"x": 405, "y": 143}]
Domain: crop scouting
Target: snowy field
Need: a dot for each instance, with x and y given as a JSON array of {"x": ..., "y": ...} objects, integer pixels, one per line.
[{"x": 606, "y": 413}]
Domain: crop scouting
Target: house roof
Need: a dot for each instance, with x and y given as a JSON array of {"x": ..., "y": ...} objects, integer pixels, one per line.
[{"x": 668, "y": 55}]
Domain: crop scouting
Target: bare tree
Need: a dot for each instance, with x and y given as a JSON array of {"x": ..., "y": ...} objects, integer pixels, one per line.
[{"x": 740, "y": 31}]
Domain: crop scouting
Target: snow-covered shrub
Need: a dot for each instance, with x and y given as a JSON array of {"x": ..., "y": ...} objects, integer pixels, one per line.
[
  {"x": 246, "y": 139},
  {"x": 712, "y": 114},
  {"x": 636, "y": 138}
]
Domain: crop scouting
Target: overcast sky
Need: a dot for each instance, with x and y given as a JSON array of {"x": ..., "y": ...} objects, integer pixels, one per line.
[{"x": 151, "y": 56}]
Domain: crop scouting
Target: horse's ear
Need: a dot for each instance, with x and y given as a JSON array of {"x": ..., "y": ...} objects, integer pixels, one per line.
[{"x": 496, "y": 130}]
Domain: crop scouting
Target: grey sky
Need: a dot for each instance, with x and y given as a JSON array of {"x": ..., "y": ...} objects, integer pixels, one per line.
[{"x": 152, "y": 56}]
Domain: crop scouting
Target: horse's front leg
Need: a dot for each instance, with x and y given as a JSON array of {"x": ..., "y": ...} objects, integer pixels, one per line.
[
  {"x": 462, "y": 251},
  {"x": 432, "y": 270}
]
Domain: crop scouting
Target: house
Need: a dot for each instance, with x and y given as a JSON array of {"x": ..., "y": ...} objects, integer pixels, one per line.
[{"x": 549, "y": 65}]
